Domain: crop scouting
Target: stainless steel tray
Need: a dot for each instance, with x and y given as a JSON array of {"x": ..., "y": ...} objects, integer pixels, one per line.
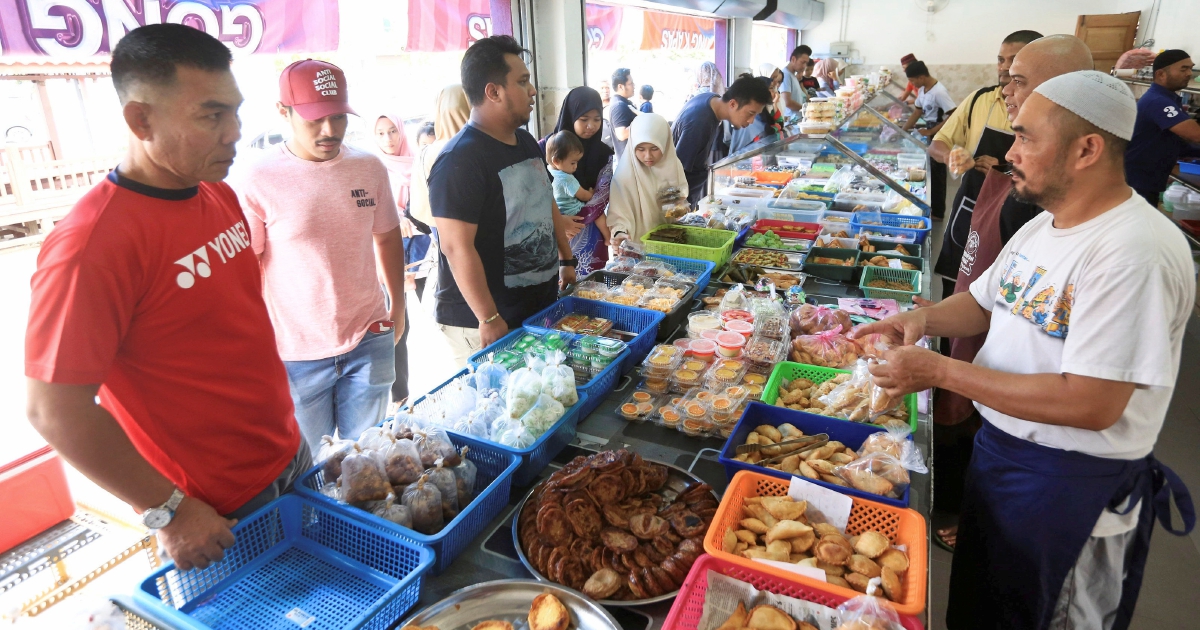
[
  {"x": 678, "y": 480},
  {"x": 509, "y": 600},
  {"x": 795, "y": 260}
]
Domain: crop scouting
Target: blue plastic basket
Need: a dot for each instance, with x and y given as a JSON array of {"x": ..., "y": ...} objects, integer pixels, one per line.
[
  {"x": 642, "y": 323},
  {"x": 894, "y": 224},
  {"x": 702, "y": 267},
  {"x": 493, "y": 485},
  {"x": 848, "y": 433},
  {"x": 295, "y": 557},
  {"x": 596, "y": 389},
  {"x": 533, "y": 459}
]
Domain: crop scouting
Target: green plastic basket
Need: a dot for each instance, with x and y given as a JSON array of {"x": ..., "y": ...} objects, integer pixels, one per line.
[
  {"x": 831, "y": 272},
  {"x": 715, "y": 246},
  {"x": 887, "y": 273},
  {"x": 919, "y": 263},
  {"x": 788, "y": 371}
]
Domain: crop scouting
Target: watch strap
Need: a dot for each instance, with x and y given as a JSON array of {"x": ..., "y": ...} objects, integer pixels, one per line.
[
  {"x": 173, "y": 502},
  {"x": 569, "y": 262}
]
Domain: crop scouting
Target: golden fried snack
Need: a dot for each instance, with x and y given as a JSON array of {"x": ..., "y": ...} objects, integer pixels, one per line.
[
  {"x": 603, "y": 584},
  {"x": 893, "y": 559},
  {"x": 837, "y": 581},
  {"x": 827, "y": 550},
  {"x": 804, "y": 542},
  {"x": 754, "y": 525},
  {"x": 729, "y": 541},
  {"x": 866, "y": 480},
  {"x": 863, "y": 565},
  {"x": 785, "y": 508},
  {"x": 786, "y": 530},
  {"x": 548, "y": 613},
  {"x": 779, "y": 550},
  {"x": 493, "y": 625},
  {"x": 736, "y": 620},
  {"x": 769, "y": 618},
  {"x": 825, "y": 529},
  {"x": 871, "y": 544},
  {"x": 746, "y": 536},
  {"x": 891, "y": 584},
  {"x": 858, "y": 581}
]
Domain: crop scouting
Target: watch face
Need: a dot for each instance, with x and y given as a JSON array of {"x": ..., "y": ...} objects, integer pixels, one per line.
[{"x": 157, "y": 518}]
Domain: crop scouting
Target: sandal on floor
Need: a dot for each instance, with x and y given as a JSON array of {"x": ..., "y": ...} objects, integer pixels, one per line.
[{"x": 939, "y": 538}]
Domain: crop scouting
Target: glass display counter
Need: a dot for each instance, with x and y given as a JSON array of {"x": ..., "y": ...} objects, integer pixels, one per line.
[{"x": 866, "y": 153}]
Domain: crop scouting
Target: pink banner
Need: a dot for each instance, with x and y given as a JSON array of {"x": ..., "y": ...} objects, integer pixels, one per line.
[
  {"x": 447, "y": 25},
  {"x": 603, "y": 26},
  {"x": 88, "y": 28}
]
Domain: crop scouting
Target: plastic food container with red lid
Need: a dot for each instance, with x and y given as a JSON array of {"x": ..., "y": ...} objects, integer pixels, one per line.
[
  {"x": 740, "y": 327},
  {"x": 703, "y": 348},
  {"x": 730, "y": 344},
  {"x": 737, "y": 313},
  {"x": 710, "y": 334},
  {"x": 684, "y": 344}
]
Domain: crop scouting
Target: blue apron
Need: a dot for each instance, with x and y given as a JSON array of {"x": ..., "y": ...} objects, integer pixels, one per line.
[{"x": 1029, "y": 509}]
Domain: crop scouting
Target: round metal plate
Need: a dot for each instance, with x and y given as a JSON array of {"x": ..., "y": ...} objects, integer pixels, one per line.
[
  {"x": 509, "y": 600},
  {"x": 678, "y": 480}
]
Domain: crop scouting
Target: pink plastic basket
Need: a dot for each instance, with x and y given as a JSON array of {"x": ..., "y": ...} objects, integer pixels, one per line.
[{"x": 689, "y": 604}]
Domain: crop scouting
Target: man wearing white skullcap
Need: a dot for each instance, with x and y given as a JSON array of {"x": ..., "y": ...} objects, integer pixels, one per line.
[{"x": 1085, "y": 311}]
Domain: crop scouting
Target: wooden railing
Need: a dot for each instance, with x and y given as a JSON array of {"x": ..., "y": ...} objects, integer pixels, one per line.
[{"x": 33, "y": 187}]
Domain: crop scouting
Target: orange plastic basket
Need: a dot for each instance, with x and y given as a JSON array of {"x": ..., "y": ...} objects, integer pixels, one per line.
[{"x": 901, "y": 526}]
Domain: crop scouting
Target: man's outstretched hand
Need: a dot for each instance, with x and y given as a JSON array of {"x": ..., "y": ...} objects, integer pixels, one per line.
[{"x": 197, "y": 536}]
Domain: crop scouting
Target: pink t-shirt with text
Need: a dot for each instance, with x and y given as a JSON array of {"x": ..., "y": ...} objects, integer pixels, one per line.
[{"x": 312, "y": 223}]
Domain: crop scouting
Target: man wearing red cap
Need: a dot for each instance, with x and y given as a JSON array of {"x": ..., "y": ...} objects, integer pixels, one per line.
[{"x": 321, "y": 218}]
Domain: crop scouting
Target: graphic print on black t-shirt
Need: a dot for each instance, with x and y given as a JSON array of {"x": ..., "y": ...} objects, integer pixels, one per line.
[{"x": 529, "y": 249}]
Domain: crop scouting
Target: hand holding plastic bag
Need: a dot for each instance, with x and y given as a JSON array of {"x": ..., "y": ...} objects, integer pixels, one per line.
[{"x": 868, "y": 612}]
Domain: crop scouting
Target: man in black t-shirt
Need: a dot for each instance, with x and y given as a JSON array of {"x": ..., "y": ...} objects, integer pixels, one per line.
[
  {"x": 700, "y": 121},
  {"x": 622, "y": 112},
  {"x": 503, "y": 242}
]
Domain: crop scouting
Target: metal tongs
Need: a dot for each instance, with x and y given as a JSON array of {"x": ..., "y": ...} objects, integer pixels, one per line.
[{"x": 809, "y": 443}]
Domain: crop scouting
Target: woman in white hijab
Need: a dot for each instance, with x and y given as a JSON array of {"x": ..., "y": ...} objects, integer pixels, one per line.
[{"x": 648, "y": 166}]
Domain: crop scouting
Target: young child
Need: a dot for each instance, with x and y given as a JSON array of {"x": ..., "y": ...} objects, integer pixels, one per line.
[
  {"x": 563, "y": 152},
  {"x": 647, "y": 94},
  {"x": 425, "y": 135}
]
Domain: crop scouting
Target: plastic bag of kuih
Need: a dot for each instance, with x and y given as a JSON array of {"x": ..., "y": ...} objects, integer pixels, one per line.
[
  {"x": 434, "y": 443},
  {"x": 872, "y": 346},
  {"x": 330, "y": 455},
  {"x": 829, "y": 348},
  {"x": 458, "y": 398},
  {"x": 443, "y": 478},
  {"x": 558, "y": 379},
  {"x": 544, "y": 413},
  {"x": 513, "y": 434},
  {"x": 894, "y": 441},
  {"x": 877, "y": 473},
  {"x": 424, "y": 502},
  {"x": 734, "y": 298},
  {"x": 395, "y": 512},
  {"x": 810, "y": 320},
  {"x": 374, "y": 438},
  {"x": 402, "y": 425},
  {"x": 401, "y": 461},
  {"x": 868, "y": 612},
  {"x": 472, "y": 424},
  {"x": 363, "y": 477},
  {"x": 490, "y": 378},
  {"x": 524, "y": 387},
  {"x": 489, "y": 410},
  {"x": 465, "y": 474},
  {"x": 859, "y": 399}
]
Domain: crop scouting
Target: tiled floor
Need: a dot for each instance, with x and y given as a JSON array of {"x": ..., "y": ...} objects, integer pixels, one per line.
[{"x": 1168, "y": 597}]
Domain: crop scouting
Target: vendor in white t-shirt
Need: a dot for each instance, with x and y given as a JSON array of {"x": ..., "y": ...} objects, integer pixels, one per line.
[
  {"x": 1085, "y": 311},
  {"x": 933, "y": 102}
]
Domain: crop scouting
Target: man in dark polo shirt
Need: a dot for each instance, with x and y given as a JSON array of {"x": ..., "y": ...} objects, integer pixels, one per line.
[{"x": 1163, "y": 130}]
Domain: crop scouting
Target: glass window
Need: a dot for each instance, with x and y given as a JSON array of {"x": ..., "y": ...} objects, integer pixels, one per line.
[{"x": 768, "y": 44}]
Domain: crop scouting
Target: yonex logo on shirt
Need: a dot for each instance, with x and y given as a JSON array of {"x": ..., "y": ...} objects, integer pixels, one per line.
[{"x": 227, "y": 244}]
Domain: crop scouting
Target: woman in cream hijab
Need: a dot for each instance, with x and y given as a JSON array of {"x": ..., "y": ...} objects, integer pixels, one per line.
[
  {"x": 648, "y": 166},
  {"x": 451, "y": 114}
]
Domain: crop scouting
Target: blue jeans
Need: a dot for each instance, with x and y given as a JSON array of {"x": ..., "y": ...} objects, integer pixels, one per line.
[{"x": 348, "y": 392}]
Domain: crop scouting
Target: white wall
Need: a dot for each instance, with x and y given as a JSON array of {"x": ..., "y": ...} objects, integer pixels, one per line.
[
  {"x": 1174, "y": 26},
  {"x": 966, "y": 31}
]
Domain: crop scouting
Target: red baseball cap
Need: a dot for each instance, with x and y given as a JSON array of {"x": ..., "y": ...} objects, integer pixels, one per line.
[{"x": 314, "y": 89}]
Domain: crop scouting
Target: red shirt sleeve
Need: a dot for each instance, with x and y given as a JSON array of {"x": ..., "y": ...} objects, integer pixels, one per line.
[{"x": 83, "y": 299}]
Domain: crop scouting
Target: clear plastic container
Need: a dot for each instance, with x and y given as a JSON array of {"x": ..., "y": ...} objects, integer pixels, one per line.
[
  {"x": 740, "y": 327},
  {"x": 654, "y": 269},
  {"x": 590, "y": 290},
  {"x": 683, "y": 380},
  {"x": 702, "y": 320},
  {"x": 622, "y": 296},
  {"x": 860, "y": 202},
  {"x": 704, "y": 349},
  {"x": 761, "y": 354},
  {"x": 730, "y": 344},
  {"x": 724, "y": 374},
  {"x": 638, "y": 284},
  {"x": 658, "y": 301},
  {"x": 661, "y": 361},
  {"x": 672, "y": 287},
  {"x": 639, "y": 405},
  {"x": 910, "y": 160},
  {"x": 772, "y": 327}
]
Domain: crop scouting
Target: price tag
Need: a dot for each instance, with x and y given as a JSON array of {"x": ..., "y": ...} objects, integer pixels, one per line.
[
  {"x": 810, "y": 572},
  {"x": 824, "y": 505},
  {"x": 895, "y": 264},
  {"x": 300, "y": 618}
]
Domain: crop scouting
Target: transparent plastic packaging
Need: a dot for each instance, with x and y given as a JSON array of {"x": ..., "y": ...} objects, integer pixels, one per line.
[
  {"x": 810, "y": 320},
  {"x": 868, "y": 612},
  {"x": 330, "y": 455},
  {"x": 434, "y": 443},
  {"x": 397, "y": 513},
  {"x": 637, "y": 284},
  {"x": 825, "y": 349},
  {"x": 402, "y": 462},
  {"x": 542, "y": 415},
  {"x": 465, "y": 474},
  {"x": 447, "y": 485},
  {"x": 524, "y": 387},
  {"x": 424, "y": 502},
  {"x": 558, "y": 380},
  {"x": 363, "y": 478},
  {"x": 490, "y": 378}
]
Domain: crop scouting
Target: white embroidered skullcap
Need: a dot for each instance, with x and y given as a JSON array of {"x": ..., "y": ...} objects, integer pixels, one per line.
[{"x": 1096, "y": 97}]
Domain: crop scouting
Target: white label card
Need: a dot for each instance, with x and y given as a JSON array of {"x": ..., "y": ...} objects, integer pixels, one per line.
[
  {"x": 810, "y": 572},
  {"x": 895, "y": 264},
  {"x": 824, "y": 505},
  {"x": 300, "y": 618}
]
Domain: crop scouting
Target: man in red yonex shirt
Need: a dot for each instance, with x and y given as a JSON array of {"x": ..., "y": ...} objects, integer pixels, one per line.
[{"x": 148, "y": 295}]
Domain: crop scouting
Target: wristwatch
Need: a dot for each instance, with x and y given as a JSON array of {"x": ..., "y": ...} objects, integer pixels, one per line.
[
  {"x": 159, "y": 517},
  {"x": 569, "y": 262}
]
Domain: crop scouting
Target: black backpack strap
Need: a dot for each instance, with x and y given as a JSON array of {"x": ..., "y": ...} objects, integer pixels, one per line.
[{"x": 978, "y": 93}]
